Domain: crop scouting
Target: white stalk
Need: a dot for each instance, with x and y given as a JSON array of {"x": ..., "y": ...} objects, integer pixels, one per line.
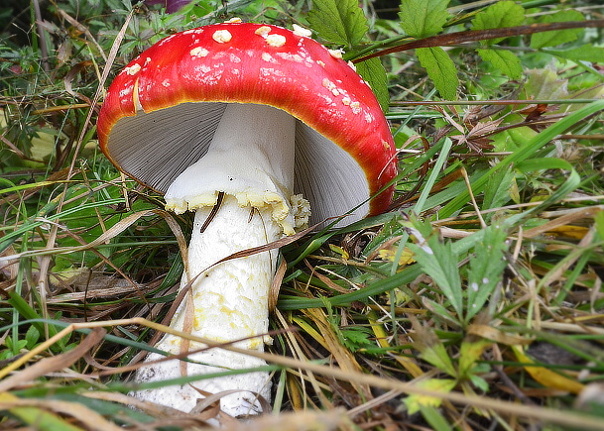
[{"x": 251, "y": 161}]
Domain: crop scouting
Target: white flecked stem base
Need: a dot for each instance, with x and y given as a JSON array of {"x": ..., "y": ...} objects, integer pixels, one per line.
[{"x": 230, "y": 302}]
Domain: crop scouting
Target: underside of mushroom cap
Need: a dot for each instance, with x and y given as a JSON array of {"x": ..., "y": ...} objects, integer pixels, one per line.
[{"x": 161, "y": 111}]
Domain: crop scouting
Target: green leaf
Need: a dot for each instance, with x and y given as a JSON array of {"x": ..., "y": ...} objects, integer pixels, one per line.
[
  {"x": 497, "y": 190},
  {"x": 374, "y": 73},
  {"x": 441, "y": 70},
  {"x": 441, "y": 312},
  {"x": 469, "y": 353},
  {"x": 479, "y": 382},
  {"x": 557, "y": 37},
  {"x": 499, "y": 15},
  {"x": 355, "y": 339},
  {"x": 545, "y": 84},
  {"x": 338, "y": 21},
  {"x": 32, "y": 336},
  {"x": 504, "y": 61},
  {"x": 423, "y": 18},
  {"x": 587, "y": 52},
  {"x": 436, "y": 354},
  {"x": 434, "y": 417},
  {"x": 439, "y": 261},
  {"x": 485, "y": 269},
  {"x": 599, "y": 223}
]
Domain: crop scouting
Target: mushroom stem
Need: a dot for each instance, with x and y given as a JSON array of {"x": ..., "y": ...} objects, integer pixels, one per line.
[{"x": 229, "y": 301}]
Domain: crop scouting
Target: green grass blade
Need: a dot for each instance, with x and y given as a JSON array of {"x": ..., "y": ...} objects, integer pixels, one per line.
[{"x": 523, "y": 153}]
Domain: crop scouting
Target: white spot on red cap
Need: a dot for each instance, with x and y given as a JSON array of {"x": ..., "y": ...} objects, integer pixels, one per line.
[
  {"x": 276, "y": 40},
  {"x": 222, "y": 36},
  {"x": 165, "y": 83},
  {"x": 234, "y": 20},
  {"x": 269, "y": 71},
  {"x": 267, "y": 57},
  {"x": 133, "y": 70},
  {"x": 301, "y": 31},
  {"x": 291, "y": 57},
  {"x": 328, "y": 100},
  {"x": 199, "y": 52},
  {"x": 192, "y": 31},
  {"x": 352, "y": 66},
  {"x": 263, "y": 31},
  {"x": 328, "y": 84},
  {"x": 335, "y": 53},
  {"x": 125, "y": 91},
  {"x": 356, "y": 107},
  {"x": 169, "y": 38}
]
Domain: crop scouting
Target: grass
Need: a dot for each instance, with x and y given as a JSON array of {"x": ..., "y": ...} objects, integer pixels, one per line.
[{"x": 475, "y": 303}]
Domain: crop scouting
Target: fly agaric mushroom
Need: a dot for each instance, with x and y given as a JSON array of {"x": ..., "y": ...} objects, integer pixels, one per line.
[{"x": 245, "y": 124}]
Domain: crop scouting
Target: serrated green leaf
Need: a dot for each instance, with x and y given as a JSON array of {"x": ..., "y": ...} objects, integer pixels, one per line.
[
  {"x": 441, "y": 70},
  {"x": 504, "y": 61},
  {"x": 355, "y": 339},
  {"x": 587, "y": 52},
  {"x": 374, "y": 73},
  {"x": 423, "y": 18},
  {"x": 439, "y": 261},
  {"x": 485, "y": 269},
  {"x": 558, "y": 37},
  {"x": 338, "y": 21},
  {"x": 499, "y": 15}
]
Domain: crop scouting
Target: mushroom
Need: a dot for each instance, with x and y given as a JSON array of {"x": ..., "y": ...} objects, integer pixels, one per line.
[{"x": 247, "y": 125}]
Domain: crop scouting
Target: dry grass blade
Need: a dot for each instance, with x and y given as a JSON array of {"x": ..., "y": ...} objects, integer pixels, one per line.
[
  {"x": 512, "y": 409},
  {"x": 112, "y": 232},
  {"x": 54, "y": 363},
  {"x": 87, "y": 417}
]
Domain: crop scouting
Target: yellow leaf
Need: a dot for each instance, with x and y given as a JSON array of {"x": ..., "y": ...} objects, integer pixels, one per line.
[
  {"x": 382, "y": 338},
  {"x": 469, "y": 353},
  {"x": 569, "y": 231},
  {"x": 340, "y": 251},
  {"x": 546, "y": 377},
  {"x": 388, "y": 254},
  {"x": 414, "y": 402}
]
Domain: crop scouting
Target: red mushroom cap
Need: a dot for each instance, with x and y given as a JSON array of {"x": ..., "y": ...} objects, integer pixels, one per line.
[{"x": 248, "y": 63}]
